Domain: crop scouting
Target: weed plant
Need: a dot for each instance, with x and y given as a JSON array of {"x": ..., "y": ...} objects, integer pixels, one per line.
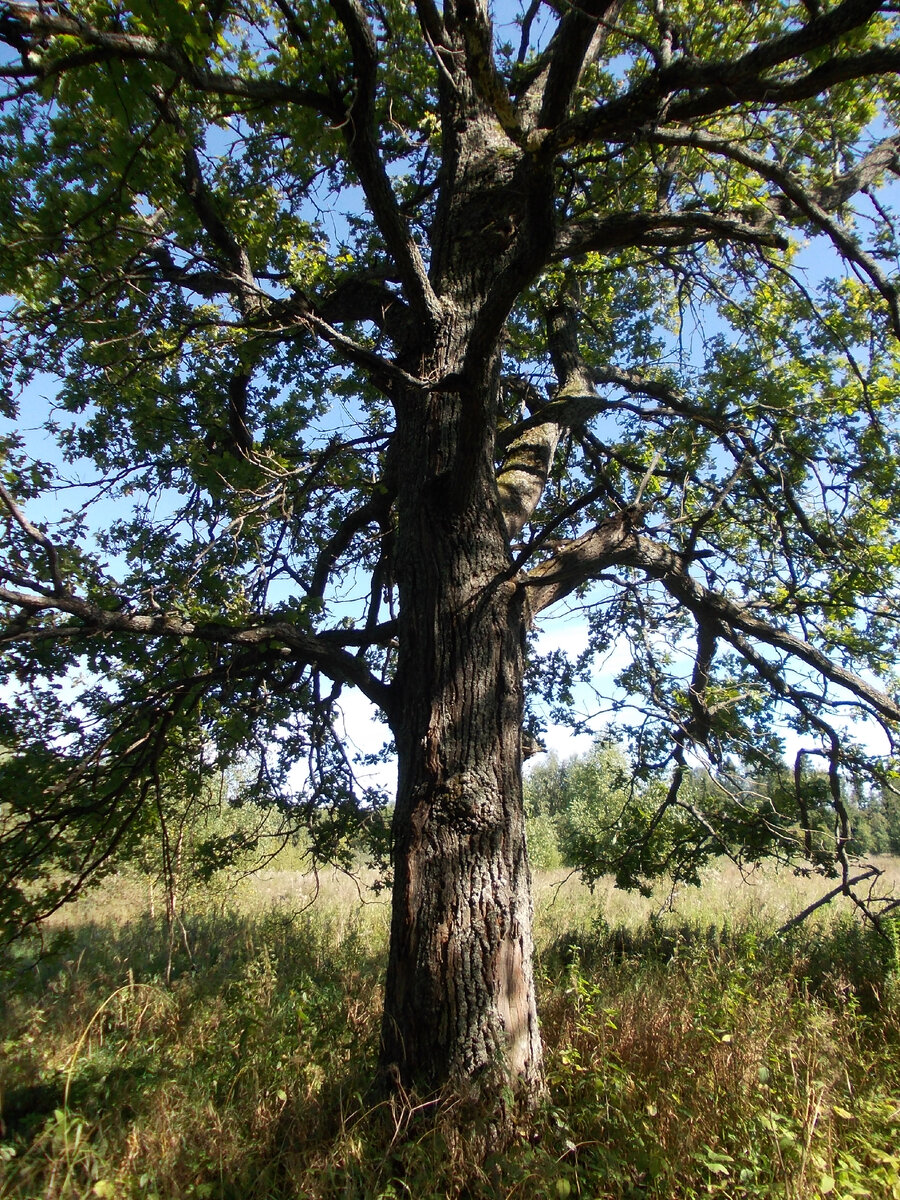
[{"x": 689, "y": 1054}]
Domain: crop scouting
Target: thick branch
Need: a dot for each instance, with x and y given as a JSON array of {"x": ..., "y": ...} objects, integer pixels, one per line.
[
  {"x": 470, "y": 20},
  {"x": 885, "y": 156},
  {"x": 580, "y": 560},
  {"x": 526, "y": 465},
  {"x": 546, "y": 87},
  {"x": 671, "y": 569},
  {"x": 360, "y": 299},
  {"x": 523, "y": 475},
  {"x": 323, "y": 651},
  {"x": 352, "y": 301},
  {"x": 576, "y": 43},
  {"x": 713, "y": 86},
  {"x": 616, "y": 543},
  {"x": 574, "y": 409},
  {"x": 42, "y": 22},
  {"x": 360, "y": 135},
  {"x": 207, "y": 210},
  {"x": 374, "y": 510},
  {"x": 618, "y": 230},
  {"x": 799, "y": 196}
]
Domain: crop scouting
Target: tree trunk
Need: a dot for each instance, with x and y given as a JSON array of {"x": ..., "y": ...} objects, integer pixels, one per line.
[{"x": 460, "y": 1001}]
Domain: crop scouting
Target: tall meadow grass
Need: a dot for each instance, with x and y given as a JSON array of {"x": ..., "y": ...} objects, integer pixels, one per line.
[{"x": 689, "y": 1052}]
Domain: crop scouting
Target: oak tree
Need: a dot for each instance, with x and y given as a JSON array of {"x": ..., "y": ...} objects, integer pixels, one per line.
[{"x": 388, "y": 328}]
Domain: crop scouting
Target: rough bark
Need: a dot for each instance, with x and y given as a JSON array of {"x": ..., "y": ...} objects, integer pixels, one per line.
[
  {"x": 460, "y": 1000},
  {"x": 460, "y": 996}
]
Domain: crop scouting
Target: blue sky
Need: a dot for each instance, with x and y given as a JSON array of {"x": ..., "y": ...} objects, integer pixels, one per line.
[{"x": 567, "y": 631}]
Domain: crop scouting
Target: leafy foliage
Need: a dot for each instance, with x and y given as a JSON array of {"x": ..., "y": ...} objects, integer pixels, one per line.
[
  {"x": 373, "y": 332},
  {"x": 592, "y": 813}
]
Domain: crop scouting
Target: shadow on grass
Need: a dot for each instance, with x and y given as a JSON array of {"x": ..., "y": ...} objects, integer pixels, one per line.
[{"x": 682, "y": 1059}]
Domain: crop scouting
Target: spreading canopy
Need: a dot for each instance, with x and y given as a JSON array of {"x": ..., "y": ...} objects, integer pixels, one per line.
[{"x": 235, "y": 235}]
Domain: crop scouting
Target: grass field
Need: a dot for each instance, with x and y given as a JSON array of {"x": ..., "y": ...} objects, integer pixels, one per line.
[{"x": 689, "y": 1053}]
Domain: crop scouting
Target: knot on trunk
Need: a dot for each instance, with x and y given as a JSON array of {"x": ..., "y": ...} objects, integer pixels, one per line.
[{"x": 464, "y": 802}]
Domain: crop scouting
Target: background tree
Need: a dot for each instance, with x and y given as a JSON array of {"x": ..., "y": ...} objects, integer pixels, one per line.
[
  {"x": 890, "y": 809},
  {"x": 598, "y": 817},
  {"x": 386, "y": 328},
  {"x": 593, "y": 813}
]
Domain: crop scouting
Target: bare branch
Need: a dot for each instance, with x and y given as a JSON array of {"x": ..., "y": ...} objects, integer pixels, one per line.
[
  {"x": 871, "y": 872},
  {"x": 374, "y": 510}
]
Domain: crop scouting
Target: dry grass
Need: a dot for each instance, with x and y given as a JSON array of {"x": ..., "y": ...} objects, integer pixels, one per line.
[
  {"x": 687, "y": 1055},
  {"x": 766, "y": 894}
]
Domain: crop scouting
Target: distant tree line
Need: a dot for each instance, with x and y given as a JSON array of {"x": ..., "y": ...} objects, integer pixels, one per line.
[{"x": 595, "y": 812}]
